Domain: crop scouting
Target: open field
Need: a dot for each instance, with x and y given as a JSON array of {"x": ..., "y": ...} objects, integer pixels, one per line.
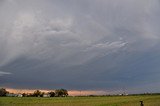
[{"x": 149, "y": 100}]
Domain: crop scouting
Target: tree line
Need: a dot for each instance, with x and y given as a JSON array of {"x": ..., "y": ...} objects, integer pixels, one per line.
[{"x": 37, "y": 93}]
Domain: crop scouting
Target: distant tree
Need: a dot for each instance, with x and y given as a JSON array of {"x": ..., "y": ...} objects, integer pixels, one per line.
[
  {"x": 61, "y": 92},
  {"x": 3, "y": 92},
  {"x": 24, "y": 94},
  {"x": 37, "y": 93},
  {"x": 42, "y": 93},
  {"x": 52, "y": 94}
]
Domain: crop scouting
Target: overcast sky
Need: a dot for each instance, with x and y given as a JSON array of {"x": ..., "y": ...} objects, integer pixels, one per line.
[{"x": 80, "y": 44}]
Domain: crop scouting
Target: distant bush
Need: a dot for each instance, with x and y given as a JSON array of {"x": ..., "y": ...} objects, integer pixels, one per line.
[{"x": 37, "y": 93}]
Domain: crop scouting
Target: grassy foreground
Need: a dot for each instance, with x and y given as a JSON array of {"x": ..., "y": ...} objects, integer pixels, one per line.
[{"x": 149, "y": 100}]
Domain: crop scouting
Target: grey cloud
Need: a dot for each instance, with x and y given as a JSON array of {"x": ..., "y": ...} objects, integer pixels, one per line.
[{"x": 90, "y": 43}]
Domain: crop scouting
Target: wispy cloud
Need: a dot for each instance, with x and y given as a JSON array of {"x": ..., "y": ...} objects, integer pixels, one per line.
[{"x": 4, "y": 73}]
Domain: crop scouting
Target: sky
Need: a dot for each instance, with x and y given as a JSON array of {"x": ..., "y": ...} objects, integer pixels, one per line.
[{"x": 80, "y": 44}]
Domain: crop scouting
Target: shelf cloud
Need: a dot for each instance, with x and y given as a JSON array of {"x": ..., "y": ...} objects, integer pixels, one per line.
[{"x": 73, "y": 44}]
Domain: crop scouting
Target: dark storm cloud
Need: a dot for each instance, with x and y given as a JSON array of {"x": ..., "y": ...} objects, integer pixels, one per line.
[{"x": 79, "y": 44}]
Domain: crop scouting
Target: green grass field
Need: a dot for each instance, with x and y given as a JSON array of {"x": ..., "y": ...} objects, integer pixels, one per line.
[{"x": 150, "y": 100}]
